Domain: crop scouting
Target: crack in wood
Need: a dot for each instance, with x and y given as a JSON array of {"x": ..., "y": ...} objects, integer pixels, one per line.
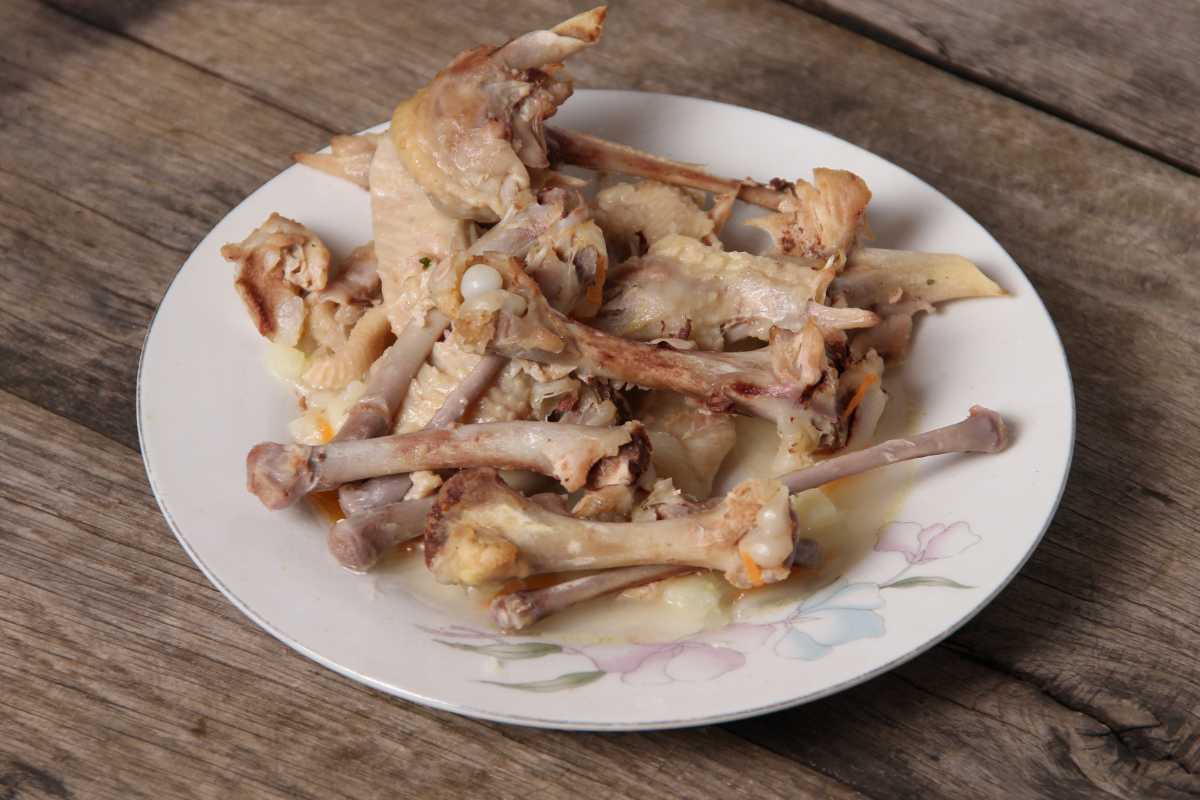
[
  {"x": 1095, "y": 713},
  {"x": 16, "y": 777}
]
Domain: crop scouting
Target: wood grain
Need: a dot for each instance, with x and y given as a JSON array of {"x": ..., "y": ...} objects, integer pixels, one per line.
[
  {"x": 118, "y": 160},
  {"x": 127, "y": 675},
  {"x": 1128, "y": 70},
  {"x": 130, "y": 128}
]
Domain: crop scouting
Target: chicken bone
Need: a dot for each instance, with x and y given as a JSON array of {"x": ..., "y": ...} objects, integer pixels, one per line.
[
  {"x": 575, "y": 455},
  {"x": 481, "y": 531}
]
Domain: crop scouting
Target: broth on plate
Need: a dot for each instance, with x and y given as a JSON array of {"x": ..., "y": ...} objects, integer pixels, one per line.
[{"x": 843, "y": 517}]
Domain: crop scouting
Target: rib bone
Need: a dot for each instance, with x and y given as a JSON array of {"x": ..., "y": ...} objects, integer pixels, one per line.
[
  {"x": 279, "y": 474},
  {"x": 349, "y": 158},
  {"x": 592, "y": 152},
  {"x": 481, "y": 531},
  {"x": 467, "y": 392}
]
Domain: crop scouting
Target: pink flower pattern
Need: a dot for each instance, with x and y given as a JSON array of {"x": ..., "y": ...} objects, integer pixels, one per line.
[
  {"x": 922, "y": 545},
  {"x": 840, "y": 613}
]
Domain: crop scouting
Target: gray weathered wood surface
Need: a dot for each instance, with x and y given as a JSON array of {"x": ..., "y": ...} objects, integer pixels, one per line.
[
  {"x": 127, "y": 129},
  {"x": 1130, "y": 70}
]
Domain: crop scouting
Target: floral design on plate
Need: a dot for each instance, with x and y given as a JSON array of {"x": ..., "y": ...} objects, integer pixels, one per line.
[{"x": 841, "y": 612}]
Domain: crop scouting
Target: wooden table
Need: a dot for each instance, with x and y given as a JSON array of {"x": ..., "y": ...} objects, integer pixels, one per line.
[{"x": 128, "y": 128}]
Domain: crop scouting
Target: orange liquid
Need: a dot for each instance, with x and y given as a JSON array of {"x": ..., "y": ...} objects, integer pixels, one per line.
[{"x": 326, "y": 505}]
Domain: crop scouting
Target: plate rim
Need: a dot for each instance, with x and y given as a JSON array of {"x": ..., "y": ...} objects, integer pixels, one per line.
[{"x": 666, "y": 724}]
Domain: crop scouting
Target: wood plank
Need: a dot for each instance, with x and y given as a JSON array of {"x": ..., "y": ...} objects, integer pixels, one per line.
[
  {"x": 1130, "y": 71},
  {"x": 126, "y": 675},
  {"x": 109, "y": 179},
  {"x": 949, "y": 725},
  {"x": 129, "y": 676},
  {"x": 1101, "y": 620}
]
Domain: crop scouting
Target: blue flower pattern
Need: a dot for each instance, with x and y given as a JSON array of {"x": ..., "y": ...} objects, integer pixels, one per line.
[{"x": 844, "y": 611}]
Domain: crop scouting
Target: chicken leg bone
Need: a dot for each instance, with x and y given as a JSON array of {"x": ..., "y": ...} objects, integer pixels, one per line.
[
  {"x": 390, "y": 378},
  {"x": 983, "y": 431},
  {"x": 360, "y": 540},
  {"x": 358, "y": 497},
  {"x": 518, "y": 610},
  {"x": 480, "y": 530},
  {"x": 576, "y": 455}
]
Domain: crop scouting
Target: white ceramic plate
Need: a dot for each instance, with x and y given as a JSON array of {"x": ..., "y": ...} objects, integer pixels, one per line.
[{"x": 959, "y": 536}]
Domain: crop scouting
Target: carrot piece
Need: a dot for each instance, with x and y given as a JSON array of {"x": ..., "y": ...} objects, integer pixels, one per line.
[
  {"x": 859, "y": 394},
  {"x": 752, "y": 569}
]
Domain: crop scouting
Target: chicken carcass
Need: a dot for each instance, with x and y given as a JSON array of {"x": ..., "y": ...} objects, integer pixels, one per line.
[{"x": 764, "y": 383}]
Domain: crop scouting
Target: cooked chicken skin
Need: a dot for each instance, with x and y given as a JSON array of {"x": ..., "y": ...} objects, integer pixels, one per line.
[
  {"x": 411, "y": 234},
  {"x": 471, "y": 136},
  {"x": 821, "y": 219},
  {"x": 685, "y": 289},
  {"x": 634, "y": 216},
  {"x": 275, "y": 263}
]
